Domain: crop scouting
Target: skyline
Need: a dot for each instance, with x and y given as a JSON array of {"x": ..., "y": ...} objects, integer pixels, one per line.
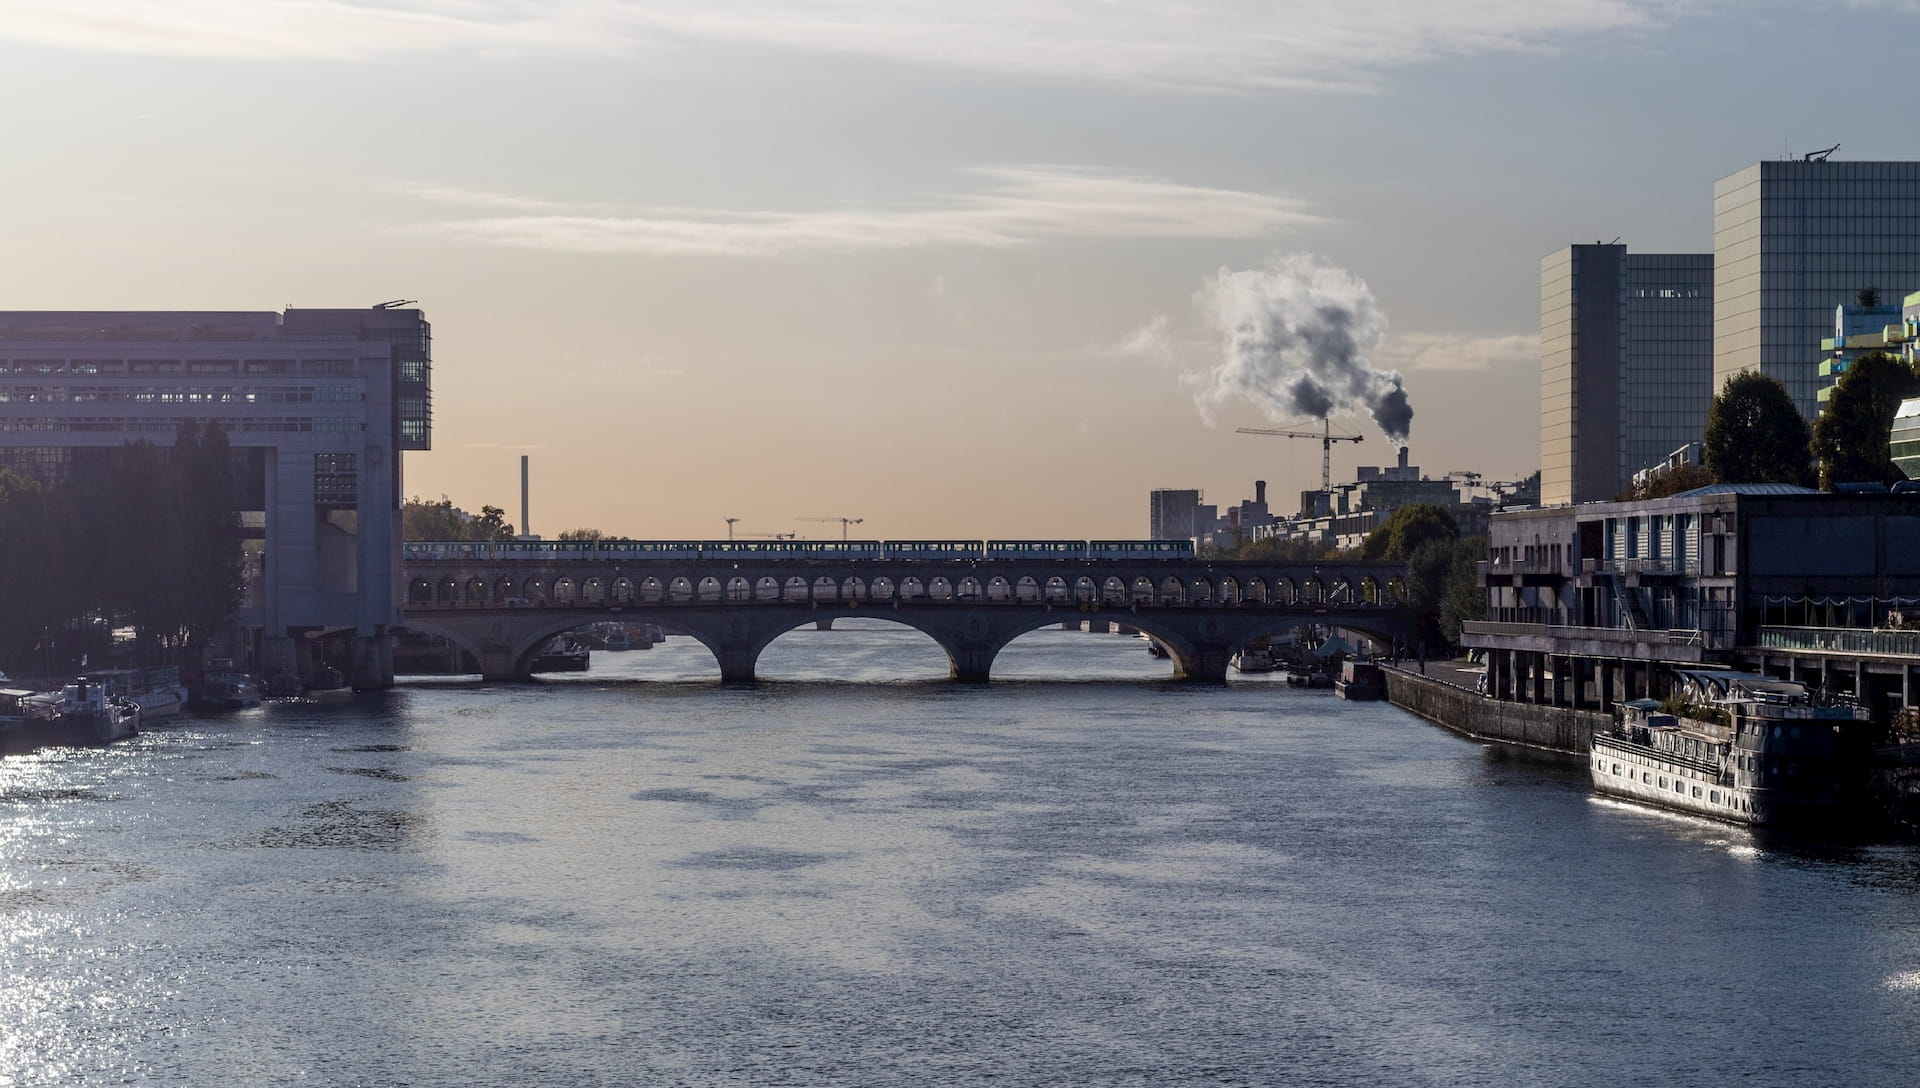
[{"x": 939, "y": 268}]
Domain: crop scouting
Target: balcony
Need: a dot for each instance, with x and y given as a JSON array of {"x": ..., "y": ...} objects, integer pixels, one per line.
[
  {"x": 1842, "y": 640},
  {"x": 1659, "y": 644}
]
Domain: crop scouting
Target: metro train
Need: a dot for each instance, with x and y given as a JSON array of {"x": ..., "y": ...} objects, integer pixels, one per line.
[{"x": 617, "y": 550}]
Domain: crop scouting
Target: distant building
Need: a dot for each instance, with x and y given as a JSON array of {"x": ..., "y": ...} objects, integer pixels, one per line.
[
  {"x": 318, "y": 406},
  {"x": 1904, "y": 444},
  {"x": 1793, "y": 240},
  {"x": 1626, "y": 363},
  {"x": 1173, "y": 514},
  {"x": 1343, "y": 515},
  {"x": 1858, "y": 329}
]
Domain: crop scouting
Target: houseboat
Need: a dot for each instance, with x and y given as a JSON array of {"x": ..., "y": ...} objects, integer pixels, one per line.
[
  {"x": 1744, "y": 748},
  {"x": 1360, "y": 681}
]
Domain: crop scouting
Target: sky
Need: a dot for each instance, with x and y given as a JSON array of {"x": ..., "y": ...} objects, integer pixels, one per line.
[{"x": 983, "y": 269}]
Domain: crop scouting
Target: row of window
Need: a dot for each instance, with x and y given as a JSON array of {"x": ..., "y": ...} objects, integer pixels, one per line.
[
  {"x": 176, "y": 366},
  {"x": 1681, "y": 786},
  {"x": 137, "y": 425},
  {"x": 297, "y": 394}
]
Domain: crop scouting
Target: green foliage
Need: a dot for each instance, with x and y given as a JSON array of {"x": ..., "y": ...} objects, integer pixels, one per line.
[
  {"x": 1756, "y": 436},
  {"x": 1465, "y": 596},
  {"x": 1407, "y": 529},
  {"x": 1672, "y": 482},
  {"x": 423, "y": 520},
  {"x": 1279, "y": 551},
  {"x": 1850, "y": 437},
  {"x": 583, "y": 534}
]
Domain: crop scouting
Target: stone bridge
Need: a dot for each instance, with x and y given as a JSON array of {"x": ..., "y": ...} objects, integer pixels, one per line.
[{"x": 504, "y": 611}]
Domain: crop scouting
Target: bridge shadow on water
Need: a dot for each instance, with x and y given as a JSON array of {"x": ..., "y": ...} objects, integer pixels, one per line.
[{"x": 871, "y": 651}]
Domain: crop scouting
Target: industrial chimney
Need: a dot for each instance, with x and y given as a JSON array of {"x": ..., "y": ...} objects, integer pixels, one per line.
[
  {"x": 1403, "y": 457},
  {"x": 527, "y": 530},
  {"x": 1260, "y": 492}
]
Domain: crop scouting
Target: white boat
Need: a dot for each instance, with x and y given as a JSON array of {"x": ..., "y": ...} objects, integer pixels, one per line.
[
  {"x": 226, "y": 689},
  {"x": 1257, "y": 657},
  {"x": 158, "y": 692},
  {"x": 1747, "y": 749},
  {"x": 82, "y": 712}
]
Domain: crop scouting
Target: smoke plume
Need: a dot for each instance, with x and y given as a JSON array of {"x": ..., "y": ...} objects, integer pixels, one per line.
[{"x": 1294, "y": 339}]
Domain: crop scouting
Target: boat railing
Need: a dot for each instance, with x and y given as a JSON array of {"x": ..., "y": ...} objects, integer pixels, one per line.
[{"x": 1708, "y": 766}]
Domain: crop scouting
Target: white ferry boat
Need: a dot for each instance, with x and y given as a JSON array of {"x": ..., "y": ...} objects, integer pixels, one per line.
[{"x": 1759, "y": 751}]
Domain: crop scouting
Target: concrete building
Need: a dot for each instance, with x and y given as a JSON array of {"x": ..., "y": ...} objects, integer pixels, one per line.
[
  {"x": 1591, "y": 604},
  {"x": 319, "y": 406},
  {"x": 1626, "y": 359},
  {"x": 1793, "y": 240},
  {"x": 1173, "y": 513}
]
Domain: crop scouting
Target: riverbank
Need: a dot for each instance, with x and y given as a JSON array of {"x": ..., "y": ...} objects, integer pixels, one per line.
[{"x": 1472, "y": 714}]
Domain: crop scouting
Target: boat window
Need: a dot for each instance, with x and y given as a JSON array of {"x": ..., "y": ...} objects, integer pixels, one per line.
[
  {"x": 1714, "y": 796},
  {"x": 1794, "y": 732},
  {"x": 1696, "y": 791},
  {"x": 1616, "y": 768},
  {"x": 1663, "y": 782}
]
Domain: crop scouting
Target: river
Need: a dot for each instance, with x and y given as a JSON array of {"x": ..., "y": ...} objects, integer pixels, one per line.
[{"x": 856, "y": 873}]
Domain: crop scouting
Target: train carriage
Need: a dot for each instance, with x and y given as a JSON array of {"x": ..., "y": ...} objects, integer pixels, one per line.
[
  {"x": 1140, "y": 549},
  {"x": 1036, "y": 549},
  {"x": 648, "y": 549},
  {"x": 933, "y": 549}
]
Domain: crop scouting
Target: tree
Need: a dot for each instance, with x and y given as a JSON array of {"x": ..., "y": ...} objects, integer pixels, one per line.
[
  {"x": 1679, "y": 478},
  {"x": 1465, "y": 595},
  {"x": 1407, "y": 529},
  {"x": 491, "y": 525},
  {"x": 1850, "y": 437},
  {"x": 1756, "y": 436},
  {"x": 213, "y": 560},
  {"x": 583, "y": 534}
]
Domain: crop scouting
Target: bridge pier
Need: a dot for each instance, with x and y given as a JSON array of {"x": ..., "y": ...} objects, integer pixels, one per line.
[
  {"x": 1202, "y": 664},
  {"x": 971, "y": 664},
  {"x": 372, "y": 662},
  {"x": 737, "y": 662}
]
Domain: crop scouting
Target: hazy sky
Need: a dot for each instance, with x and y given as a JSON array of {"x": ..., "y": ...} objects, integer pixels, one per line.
[{"x": 954, "y": 268}]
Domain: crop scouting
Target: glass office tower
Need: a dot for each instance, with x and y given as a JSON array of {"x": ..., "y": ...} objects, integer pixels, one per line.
[
  {"x": 1626, "y": 365},
  {"x": 1793, "y": 240}
]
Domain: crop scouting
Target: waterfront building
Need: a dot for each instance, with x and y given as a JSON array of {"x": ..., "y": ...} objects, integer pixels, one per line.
[
  {"x": 1792, "y": 240},
  {"x": 1626, "y": 360},
  {"x": 318, "y": 406},
  {"x": 1591, "y": 604},
  {"x": 1858, "y": 329}
]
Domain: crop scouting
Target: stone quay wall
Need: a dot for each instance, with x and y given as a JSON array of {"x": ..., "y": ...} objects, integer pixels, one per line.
[{"x": 1464, "y": 711}]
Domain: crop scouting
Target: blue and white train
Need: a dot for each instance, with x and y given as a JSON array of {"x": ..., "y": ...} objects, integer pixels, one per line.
[{"x": 637, "y": 550}]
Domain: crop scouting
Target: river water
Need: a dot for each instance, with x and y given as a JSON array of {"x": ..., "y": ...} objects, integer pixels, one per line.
[{"x": 858, "y": 873}]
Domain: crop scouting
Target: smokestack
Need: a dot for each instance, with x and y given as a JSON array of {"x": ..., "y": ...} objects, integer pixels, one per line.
[
  {"x": 1260, "y": 492},
  {"x": 1403, "y": 457},
  {"x": 527, "y": 530}
]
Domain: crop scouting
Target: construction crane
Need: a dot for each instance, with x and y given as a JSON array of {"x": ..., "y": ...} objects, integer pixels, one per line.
[
  {"x": 844, "y": 523},
  {"x": 1327, "y": 439},
  {"x": 766, "y": 536}
]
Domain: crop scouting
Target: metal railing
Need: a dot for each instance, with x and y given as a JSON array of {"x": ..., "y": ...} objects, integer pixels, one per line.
[{"x": 1842, "y": 640}]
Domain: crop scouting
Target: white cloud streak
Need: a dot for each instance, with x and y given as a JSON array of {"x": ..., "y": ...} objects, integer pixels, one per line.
[
  {"x": 1215, "y": 44},
  {"x": 1454, "y": 352},
  {"x": 480, "y": 198},
  {"x": 1021, "y": 205}
]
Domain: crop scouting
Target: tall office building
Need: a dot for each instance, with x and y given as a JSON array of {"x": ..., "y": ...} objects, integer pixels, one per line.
[
  {"x": 1174, "y": 514},
  {"x": 1626, "y": 358},
  {"x": 1793, "y": 240},
  {"x": 317, "y": 405}
]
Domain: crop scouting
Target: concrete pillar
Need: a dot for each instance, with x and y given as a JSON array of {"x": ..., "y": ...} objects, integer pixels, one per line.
[
  {"x": 372, "y": 662},
  {"x": 1204, "y": 664},
  {"x": 1537, "y": 668},
  {"x": 1906, "y": 685},
  {"x": 823, "y": 625},
  {"x": 736, "y": 662},
  {"x": 1099, "y": 627},
  {"x": 280, "y": 654},
  {"x": 971, "y": 664}
]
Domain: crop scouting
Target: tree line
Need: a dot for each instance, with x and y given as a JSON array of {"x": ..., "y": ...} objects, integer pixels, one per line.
[
  {"x": 137, "y": 537},
  {"x": 1755, "y": 435}
]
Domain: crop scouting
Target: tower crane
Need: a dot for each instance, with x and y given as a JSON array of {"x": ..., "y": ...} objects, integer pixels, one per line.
[
  {"x": 1327, "y": 439},
  {"x": 844, "y": 523}
]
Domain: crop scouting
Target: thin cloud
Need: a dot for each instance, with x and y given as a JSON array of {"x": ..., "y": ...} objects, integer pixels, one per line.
[
  {"x": 480, "y": 198},
  {"x": 1149, "y": 341},
  {"x": 1213, "y": 44},
  {"x": 1431, "y": 351},
  {"x": 1020, "y": 206}
]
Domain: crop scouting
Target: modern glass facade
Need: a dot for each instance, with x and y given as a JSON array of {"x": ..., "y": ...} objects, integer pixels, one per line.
[
  {"x": 1626, "y": 363},
  {"x": 1669, "y": 371},
  {"x": 1793, "y": 240},
  {"x": 1904, "y": 443}
]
